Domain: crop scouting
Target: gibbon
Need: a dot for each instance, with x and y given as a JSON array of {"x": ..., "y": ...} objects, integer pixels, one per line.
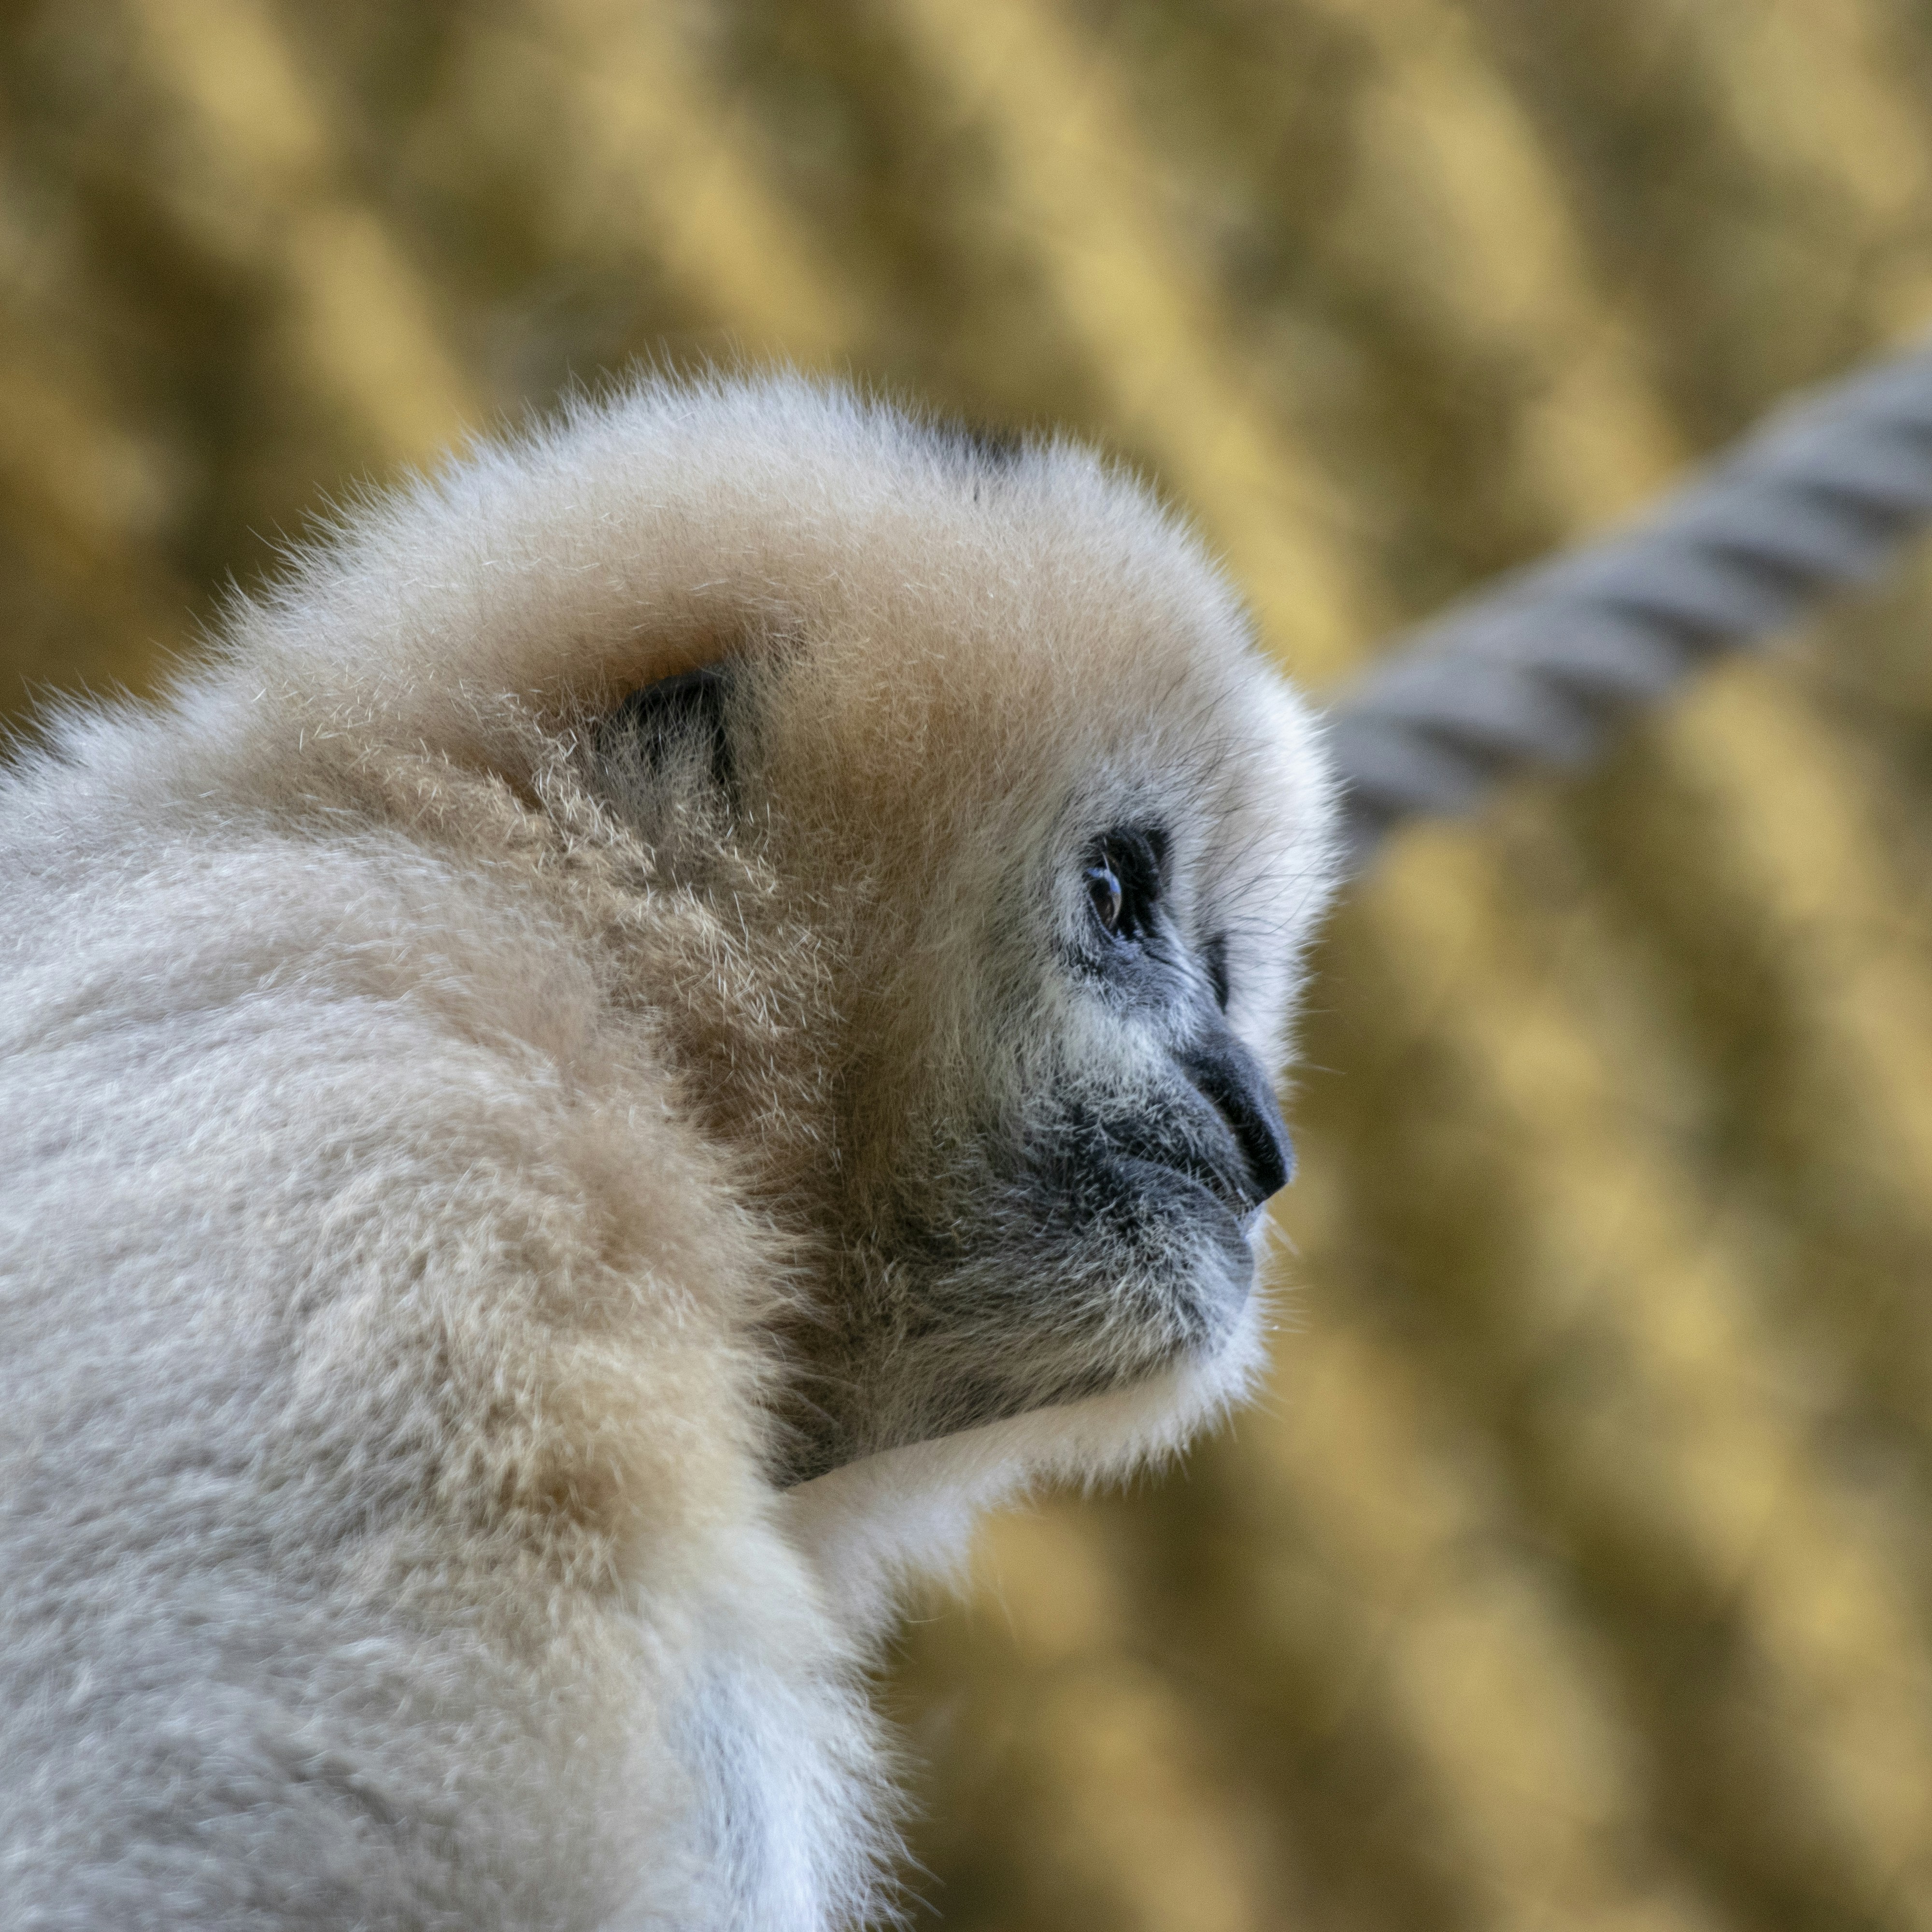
[{"x": 687, "y": 1004}]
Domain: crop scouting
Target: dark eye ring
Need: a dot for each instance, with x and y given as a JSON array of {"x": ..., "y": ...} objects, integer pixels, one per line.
[{"x": 1123, "y": 877}]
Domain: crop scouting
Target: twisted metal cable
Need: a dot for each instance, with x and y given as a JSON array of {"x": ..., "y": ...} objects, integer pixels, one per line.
[{"x": 1535, "y": 670}]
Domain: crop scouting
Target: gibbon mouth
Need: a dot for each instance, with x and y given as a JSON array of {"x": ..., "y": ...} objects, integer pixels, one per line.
[
  {"x": 1228, "y": 1216},
  {"x": 1229, "y": 1140},
  {"x": 1199, "y": 1176}
]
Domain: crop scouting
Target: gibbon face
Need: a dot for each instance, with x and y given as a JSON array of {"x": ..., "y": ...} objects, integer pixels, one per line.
[{"x": 1057, "y": 843}]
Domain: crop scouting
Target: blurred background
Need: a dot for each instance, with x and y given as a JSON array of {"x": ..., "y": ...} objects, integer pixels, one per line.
[{"x": 1575, "y": 1572}]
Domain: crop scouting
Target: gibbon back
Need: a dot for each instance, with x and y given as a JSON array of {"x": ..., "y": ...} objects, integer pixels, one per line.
[{"x": 686, "y": 1005}]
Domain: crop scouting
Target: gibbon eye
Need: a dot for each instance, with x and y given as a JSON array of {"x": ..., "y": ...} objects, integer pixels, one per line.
[
  {"x": 1103, "y": 888},
  {"x": 1123, "y": 880}
]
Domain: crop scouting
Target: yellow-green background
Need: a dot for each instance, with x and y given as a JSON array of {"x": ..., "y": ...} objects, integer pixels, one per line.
[{"x": 1575, "y": 1572}]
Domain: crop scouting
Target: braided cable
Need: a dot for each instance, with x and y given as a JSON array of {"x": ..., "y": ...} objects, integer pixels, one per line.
[{"x": 1536, "y": 669}]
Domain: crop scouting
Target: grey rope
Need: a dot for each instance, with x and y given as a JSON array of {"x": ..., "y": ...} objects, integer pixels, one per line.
[{"x": 1533, "y": 671}]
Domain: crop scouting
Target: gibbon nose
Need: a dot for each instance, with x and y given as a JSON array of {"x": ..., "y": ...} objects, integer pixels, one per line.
[{"x": 1225, "y": 1072}]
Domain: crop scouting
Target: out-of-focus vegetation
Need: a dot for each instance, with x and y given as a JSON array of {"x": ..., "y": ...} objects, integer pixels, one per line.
[{"x": 1575, "y": 1573}]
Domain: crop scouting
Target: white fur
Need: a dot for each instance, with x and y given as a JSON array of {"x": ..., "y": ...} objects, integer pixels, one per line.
[{"x": 386, "y": 1537}]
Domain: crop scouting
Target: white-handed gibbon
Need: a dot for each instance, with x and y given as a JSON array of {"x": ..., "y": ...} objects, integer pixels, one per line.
[{"x": 682, "y": 1007}]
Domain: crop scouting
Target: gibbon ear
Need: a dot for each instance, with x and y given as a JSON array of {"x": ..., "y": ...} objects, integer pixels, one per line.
[{"x": 661, "y": 732}]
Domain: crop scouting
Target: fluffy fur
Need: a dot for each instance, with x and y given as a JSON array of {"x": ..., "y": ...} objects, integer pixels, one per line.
[{"x": 466, "y": 1154}]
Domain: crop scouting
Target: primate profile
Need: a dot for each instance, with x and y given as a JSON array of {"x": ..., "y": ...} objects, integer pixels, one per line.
[{"x": 684, "y": 1006}]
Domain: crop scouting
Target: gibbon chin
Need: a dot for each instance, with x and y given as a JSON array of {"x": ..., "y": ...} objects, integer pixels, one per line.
[{"x": 685, "y": 1006}]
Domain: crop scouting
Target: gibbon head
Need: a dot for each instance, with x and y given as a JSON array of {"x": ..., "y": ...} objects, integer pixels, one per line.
[
  {"x": 974, "y": 851},
  {"x": 1056, "y": 835}
]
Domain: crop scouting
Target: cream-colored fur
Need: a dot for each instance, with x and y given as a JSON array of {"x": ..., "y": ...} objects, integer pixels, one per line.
[{"x": 431, "y": 1162}]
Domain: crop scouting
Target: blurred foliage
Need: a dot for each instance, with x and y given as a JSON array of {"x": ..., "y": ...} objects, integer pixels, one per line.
[{"x": 1577, "y": 1571}]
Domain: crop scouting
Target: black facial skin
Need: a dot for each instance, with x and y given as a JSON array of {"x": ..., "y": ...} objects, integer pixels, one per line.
[
  {"x": 1097, "y": 1240},
  {"x": 1140, "y": 959}
]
